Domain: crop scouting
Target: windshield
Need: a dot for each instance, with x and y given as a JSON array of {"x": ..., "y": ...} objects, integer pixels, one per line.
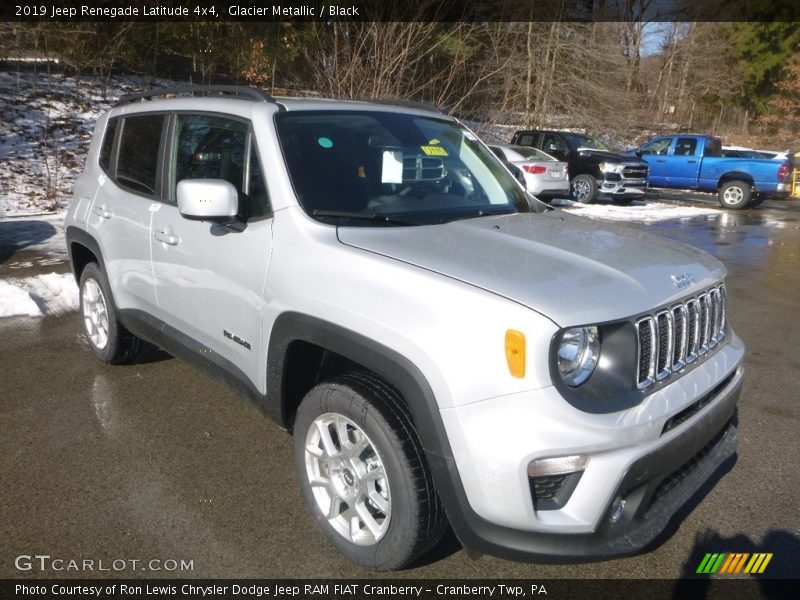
[
  {"x": 584, "y": 141},
  {"x": 376, "y": 168}
]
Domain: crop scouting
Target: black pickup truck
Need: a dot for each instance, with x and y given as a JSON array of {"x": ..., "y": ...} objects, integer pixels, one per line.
[{"x": 593, "y": 168}]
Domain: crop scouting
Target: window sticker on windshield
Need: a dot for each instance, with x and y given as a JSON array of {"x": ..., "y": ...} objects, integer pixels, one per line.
[
  {"x": 434, "y": 150},
  {"x": 434, "y": 142},
  {"x": 325, "y": 142},
  {"x": 470, "y": 136},
  {"x": 392, "y": 171}
]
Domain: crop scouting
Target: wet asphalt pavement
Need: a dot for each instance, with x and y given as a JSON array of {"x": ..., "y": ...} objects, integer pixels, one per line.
[{"x": 154, "y": 461}]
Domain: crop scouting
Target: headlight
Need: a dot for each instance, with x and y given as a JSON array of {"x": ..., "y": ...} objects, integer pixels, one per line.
[
  {"x": 578, "y": 353},
  {"x": 607, "y": 167}
]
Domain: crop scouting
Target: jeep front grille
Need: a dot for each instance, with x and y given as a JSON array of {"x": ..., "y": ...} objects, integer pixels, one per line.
[{"x": 673, "y": 338}]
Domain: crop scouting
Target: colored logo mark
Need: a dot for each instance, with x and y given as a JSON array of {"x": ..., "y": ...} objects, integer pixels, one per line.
[{"x": 734, "y": 562}]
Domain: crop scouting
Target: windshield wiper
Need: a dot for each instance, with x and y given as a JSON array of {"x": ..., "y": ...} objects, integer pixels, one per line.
[
  {"x": 477, "y": 213},
  {"x": 344, "y": 214}
]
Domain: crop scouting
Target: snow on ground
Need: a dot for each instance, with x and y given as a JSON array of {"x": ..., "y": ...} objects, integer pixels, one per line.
[
  {"x": 639, "y": 211},
  {"x": 50, "y": 294},
  {"x": 14, "y": 301},
  {"x": 46, "y": 122}
]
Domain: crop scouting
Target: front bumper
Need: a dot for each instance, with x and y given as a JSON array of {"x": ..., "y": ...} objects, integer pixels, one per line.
[
  {"x": 655, "y": 484},
  {"x": 623, "y": 187}
]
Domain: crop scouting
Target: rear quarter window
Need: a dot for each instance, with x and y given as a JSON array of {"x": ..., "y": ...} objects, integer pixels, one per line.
[{"x": 108, "y": 144}]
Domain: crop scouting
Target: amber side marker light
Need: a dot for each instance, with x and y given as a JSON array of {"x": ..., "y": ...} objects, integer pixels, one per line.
[{"x": 515, "y": 352}]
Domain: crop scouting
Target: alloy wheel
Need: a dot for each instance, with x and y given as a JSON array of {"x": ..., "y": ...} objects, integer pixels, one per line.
[
  {"x": 95, "y": 314},
  {"x": 581, "y": 190},
  {"x": 348, "y": 479}
]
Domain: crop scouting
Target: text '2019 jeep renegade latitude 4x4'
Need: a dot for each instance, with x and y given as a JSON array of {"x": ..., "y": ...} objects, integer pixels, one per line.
[{"x": 442, "y": 346}]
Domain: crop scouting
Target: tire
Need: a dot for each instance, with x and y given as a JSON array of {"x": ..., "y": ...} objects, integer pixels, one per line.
[
  {"x": 111, "y": 342},
  {"x": 584, "y": 189},
  {"x": 397, "y": 512},
  {"x": 735, "y": 194}
]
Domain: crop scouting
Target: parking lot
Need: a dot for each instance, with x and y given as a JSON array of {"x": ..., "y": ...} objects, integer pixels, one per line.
[{"x": 154, "y": 461}]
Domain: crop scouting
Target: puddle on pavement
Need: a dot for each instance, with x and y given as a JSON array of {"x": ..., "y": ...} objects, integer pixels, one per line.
[{"x": 753, "y": 239}]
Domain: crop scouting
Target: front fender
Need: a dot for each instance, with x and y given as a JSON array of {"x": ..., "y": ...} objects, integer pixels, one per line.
[{"x": 392, "y": 366}]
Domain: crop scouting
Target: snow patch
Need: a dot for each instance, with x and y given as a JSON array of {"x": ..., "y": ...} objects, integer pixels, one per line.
[
  {"x": 639, "y": 211},
  {"x": 15, "y": 301},
  {"x": 50, "y": 294}
]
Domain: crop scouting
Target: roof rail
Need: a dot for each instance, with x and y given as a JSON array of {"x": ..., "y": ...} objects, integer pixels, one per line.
[
  {"x": 409, "y": 104},
  {"x": 240, "y": 91}
]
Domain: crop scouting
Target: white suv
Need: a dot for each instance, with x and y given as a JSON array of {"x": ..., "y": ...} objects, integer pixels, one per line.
[{"x": 444, "y": 347}]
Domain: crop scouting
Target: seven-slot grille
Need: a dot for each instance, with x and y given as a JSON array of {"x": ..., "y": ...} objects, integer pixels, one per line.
[{"x": 678, "y": 336}]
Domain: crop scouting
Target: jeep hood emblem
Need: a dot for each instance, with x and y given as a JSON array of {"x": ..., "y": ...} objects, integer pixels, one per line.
[{"x": 683, "y": 280}]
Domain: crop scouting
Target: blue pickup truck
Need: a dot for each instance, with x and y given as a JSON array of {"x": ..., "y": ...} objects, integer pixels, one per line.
[{"x": 695, "y": 162}]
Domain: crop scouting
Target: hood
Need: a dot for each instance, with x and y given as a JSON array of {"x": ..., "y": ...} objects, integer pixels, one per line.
[
  {"x": 603, "y": 155},
  {"x": 571, "y": 269}
]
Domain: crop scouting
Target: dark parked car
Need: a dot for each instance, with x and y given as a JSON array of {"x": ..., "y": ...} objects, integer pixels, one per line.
[{"x": 593, "y": 168}]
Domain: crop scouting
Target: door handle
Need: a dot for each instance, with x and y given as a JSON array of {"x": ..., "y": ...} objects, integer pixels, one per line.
[
  {"x": 101, "y": 212},
  {"x": 166, "y": 236},
  {"x": 691, "y": 162},
  {"x": 661, "y": 160}
]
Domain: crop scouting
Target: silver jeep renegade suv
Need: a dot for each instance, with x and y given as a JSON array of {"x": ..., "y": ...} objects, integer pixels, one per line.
[{"x": 443, "y": 347}]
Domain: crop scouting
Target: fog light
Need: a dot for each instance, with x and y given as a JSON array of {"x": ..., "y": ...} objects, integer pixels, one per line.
[
  {"x": 617, "y": 507},
  {"x": 552, "y": 480}
]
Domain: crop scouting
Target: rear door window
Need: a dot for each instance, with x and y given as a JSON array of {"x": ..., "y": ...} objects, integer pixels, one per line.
[
  {"x": 713, "y": 147},
  {"x": 137, "y": 162},
  {"x": 685, "y": 147}
]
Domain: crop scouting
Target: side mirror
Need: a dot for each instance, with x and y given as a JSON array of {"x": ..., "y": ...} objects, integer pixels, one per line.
[
  {"x": 207, "y": 199},
  {"x": 638, "y": 152}
]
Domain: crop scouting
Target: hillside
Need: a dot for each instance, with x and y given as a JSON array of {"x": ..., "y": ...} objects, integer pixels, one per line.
[{"x": 46, "y": 122}]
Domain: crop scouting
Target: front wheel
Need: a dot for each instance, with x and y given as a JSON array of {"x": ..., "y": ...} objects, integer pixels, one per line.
[
  {"x": 363, "y": 474},
  {"x": 584, "y": 189},
  {"x": 109, "y": 339},
  {"x": 735, "y": 194}
]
